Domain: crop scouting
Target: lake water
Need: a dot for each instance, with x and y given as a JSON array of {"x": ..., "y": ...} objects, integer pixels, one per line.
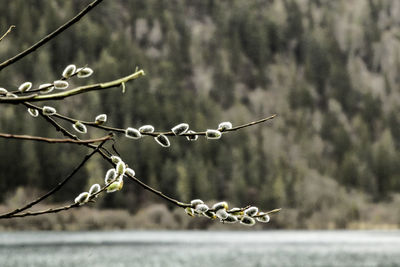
[{"x": 198, "y": 248}]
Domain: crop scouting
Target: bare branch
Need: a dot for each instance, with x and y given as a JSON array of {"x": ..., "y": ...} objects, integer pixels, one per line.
[
  {"x": 58, "y": 187},
  {"x": 54, "y": 140},
  {"x": 168, "y": 133},
  {"x": 50, "y": 36},
  {"x": 72, "y": 92},
  {"x": 7, "y": 32}
]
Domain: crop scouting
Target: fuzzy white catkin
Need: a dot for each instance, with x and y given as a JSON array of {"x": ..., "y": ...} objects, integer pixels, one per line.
[
  {"x": 162, "y": 140},
  {"x": 252, "y": 211},
  {"x": 180, "y": 128},
  {"x": 100, "y": 119},
  {"x": 191, "y": 137},
  {"x": 226, "y": 125},
  {"x": 264, "y": 219},
  {"x": 201, "y": 208},
  {"x": 115, "y": 186},
  {"x": 25, "y": 87},
  {"x": 132, "y": 133},
  {"x": 94, "y": 189},
  {"x": 46, "y": 88},
  {"x": 146, "y": 129},
  {"x": 110, "y": 175},
  {"x": 11, "y": 95},
  {"x": 222, "y": 214},
  {"x": 220, "y": 205},
  {"x": 69, "y": 71},
  {"x": 247, "y": 220},
  {"x": 231, "y": 219},
  {"x": 120, "y": 168},
  {"x": 82, "y": 198},
  {"x": 130, "y": 172},
  {"x": 213, "y": 134},
  {"x": 48, "y": 111},
  {"x": 84, "y": 72},
  {"x": 115, "y": 159},
  {"x": 33, "y": 112},
  {"x": 60, "y": 84},
  {"x": 79, "y": 127},
  {"x": 196, "y": 202},
  {"x": 3, "y": 91}
]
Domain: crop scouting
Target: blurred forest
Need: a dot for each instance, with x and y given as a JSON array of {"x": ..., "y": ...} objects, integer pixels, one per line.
[{"x": 329, "y": 69}]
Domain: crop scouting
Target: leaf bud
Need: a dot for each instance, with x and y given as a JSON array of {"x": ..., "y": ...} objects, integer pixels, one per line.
[
  {"x": 115, "y": 159},
  {"x": 132, "y": 133},
  {"x": 84, "y": 72},
  {"x": 115, "y": 186},
  {"x": 120, "y": 168},
  {"x": 252, "y": 211},
  {"x": 246, "y": 220},
  {"x": 223, "y": 126},
  {"x": 210, "y": 214},
  {"x": 222, "y": 214},
  {"x": 146, "y": 129},
  {"x": 94, "y": 189},
  {"x": 196, "y": 202},
  {"x": 33, "y": 112},
  {"x": 100, "y": 119},
  {"x": 130, "y": 172},
  {"x": 231, "y": 219},
  {"x": 201, "y": 208},
  {"x": 264, "y": 218},
  {"x": 60, "y": 84},
  {"x": 162, "y": 140},
  {"x": 189, "y": 211},
  {"x": 25, "y": 87},
  {"x": 48, "y": 111},
  {"x": 46, "y": 88},
  {"x": 213, "y": 134},
  {"x": 180, "y": 129},
  {"x": 110, "y": 176},
  {"x": 82, "y": 198},
  {"x": 220, "y": 205},
  {"x": 3, "y": 91},
  {"x": 11, "y": 95},
  {"x": 69, "y": 71},
  {"x": 191, "y": 137},
  {"x": 79, "y": 127}
]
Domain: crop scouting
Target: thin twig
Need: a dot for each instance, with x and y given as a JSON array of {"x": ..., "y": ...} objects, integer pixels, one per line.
[
  {"x": 50, "y": 36},
  {"x": 78, "y": 90},
  {"x": 56, "y": 188},
  {"x": 54, "y": 140},
  {"x": 7, "y": 32}
]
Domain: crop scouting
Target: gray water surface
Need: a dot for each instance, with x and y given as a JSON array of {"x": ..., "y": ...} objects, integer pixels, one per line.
[{"x": 198, "y": 248}]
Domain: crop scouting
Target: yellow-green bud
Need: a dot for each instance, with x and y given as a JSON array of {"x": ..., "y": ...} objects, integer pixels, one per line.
[{"x": 26, "y": 86}]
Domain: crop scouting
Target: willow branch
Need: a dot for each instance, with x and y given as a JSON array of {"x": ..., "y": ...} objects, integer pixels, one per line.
[
  {"x": 7, "y": 32},
  {"x": 56, "y": 188},
  {"x": 54, "y": 140},
  {"x": 50, "y": 36},
  {"x": 72, "y": 92},
  {"x": 167, "y": 133}
]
